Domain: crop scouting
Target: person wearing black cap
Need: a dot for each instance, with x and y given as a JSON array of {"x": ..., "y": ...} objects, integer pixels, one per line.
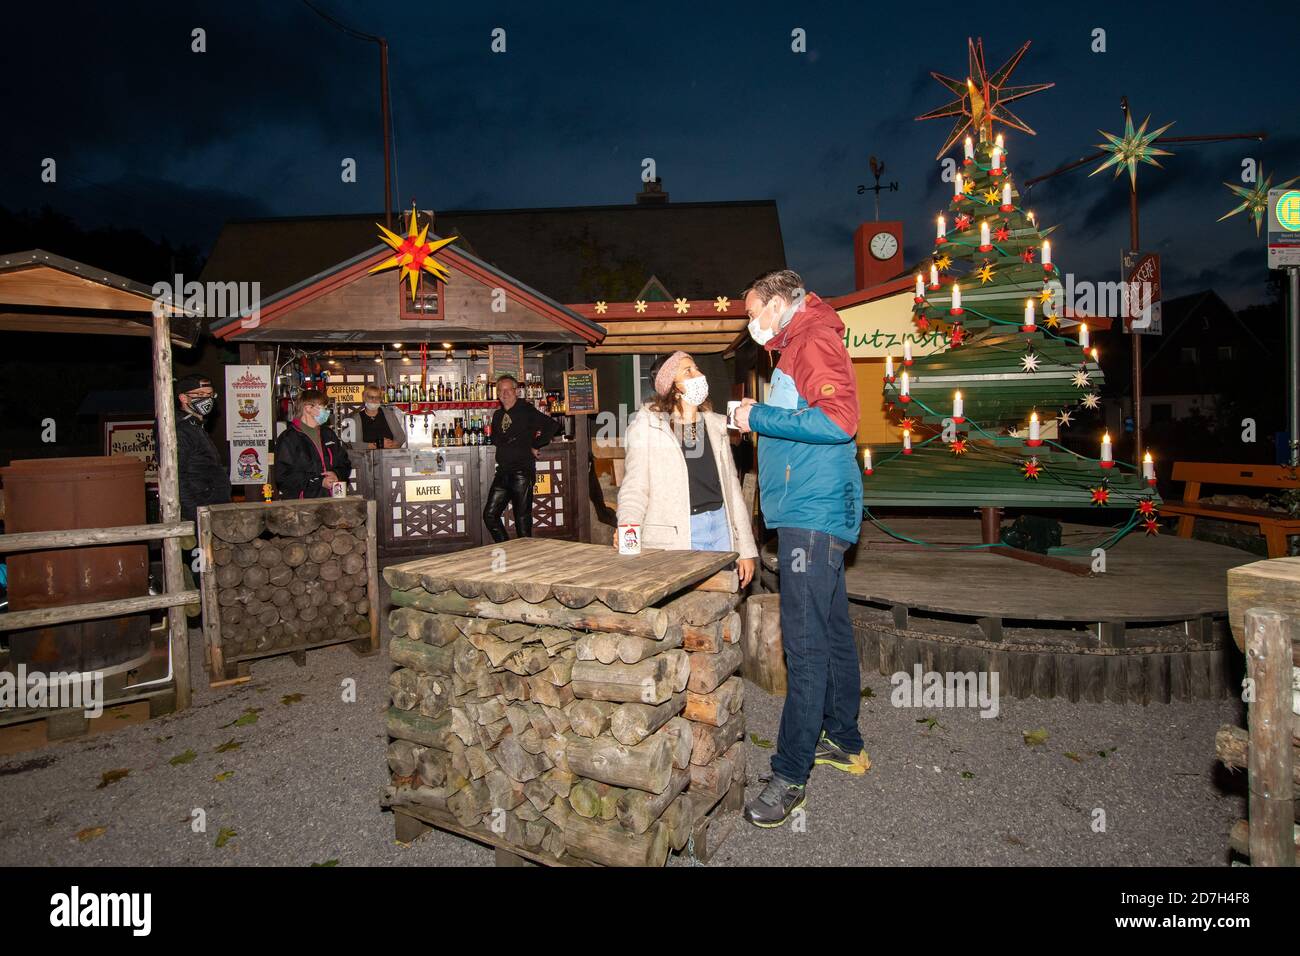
[{"x": 202, "y": 477}]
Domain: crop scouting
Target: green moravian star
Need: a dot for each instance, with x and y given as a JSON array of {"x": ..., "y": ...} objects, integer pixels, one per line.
[
  {"x": 1135, "y": 146},
  {"x": 1255, "y": 199}
]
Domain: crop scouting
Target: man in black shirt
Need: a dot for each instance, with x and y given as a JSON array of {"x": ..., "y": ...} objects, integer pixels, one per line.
[
  {"x": 519, "y": 431},
  {"x": 200, "y": 472}
]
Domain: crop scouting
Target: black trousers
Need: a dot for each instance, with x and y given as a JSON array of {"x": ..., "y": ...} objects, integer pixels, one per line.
[{"x": 514, "y": 487}]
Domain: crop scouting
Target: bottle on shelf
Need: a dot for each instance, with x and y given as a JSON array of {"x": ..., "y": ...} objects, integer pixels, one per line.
[
  {"x": 460, "y": 433},
  {"x": 406, "y": 392}
]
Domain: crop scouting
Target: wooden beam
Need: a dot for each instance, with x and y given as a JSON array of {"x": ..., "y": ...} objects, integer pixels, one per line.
[
  {"x": 647, "y": 343},
  {"x": 660, "y": 326},
  {"x": 43, "y": 540},
  {"x": 704, "y": 349},
  {"x": 45, "y": 616}
]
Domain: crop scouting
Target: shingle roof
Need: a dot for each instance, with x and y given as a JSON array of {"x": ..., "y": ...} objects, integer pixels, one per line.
[{"x": 572, "y": 254}]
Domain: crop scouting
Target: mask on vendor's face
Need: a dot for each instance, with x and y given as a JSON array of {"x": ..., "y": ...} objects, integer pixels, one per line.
[
  {"x": 322, "y": 416},
  {"x": 372, "y": 407}
]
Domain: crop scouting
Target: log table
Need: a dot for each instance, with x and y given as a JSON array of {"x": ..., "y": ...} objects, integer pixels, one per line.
[{"x": 566, "y": 704}]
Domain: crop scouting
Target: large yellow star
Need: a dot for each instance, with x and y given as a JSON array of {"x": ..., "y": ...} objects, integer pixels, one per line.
[
  {"x": 413, "y": 253},
  {"x": 985, "y": 273},
  {"x": 1046, "y": 295},
  {"x": 943, "y": 262}
]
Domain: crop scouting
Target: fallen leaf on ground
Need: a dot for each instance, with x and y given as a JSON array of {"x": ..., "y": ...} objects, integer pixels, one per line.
[
  {"x": 1074, "y": 756},
  {"x": 225, "y": 836},
  {"x": 327, "y": 863},
  {"x": 859, "y": 763},
  {"x": 91, "y": 833},
  {"x": 231, "y": 744},
  {"x": 111, "y": 776},
  {"x": 967, "y": 775},
  {"x": 290, "y": 698},
  {"x": 181, "y": 758},
  {"x": 760, "y": 742},
  {"x": 930, "y": 722},
  {"x": 867, "y": 693},
  {"x": 1035, "y": 737},
  {"x": 224, "y": 775},
  {"x": 1106, "y": 753}
]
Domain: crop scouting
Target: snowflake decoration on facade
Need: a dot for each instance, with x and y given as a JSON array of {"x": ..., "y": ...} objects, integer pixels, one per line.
[
  {"x": 639, "y": 305},
  {"x": 1091, "y": 400},
  {"x": 682, "y": 306},
  {"x": 968, "y": 187},
  {"x": 991, "y": 196},
  {"x": 1046, "y": 295},
  {"x": 961, "y": 222},
  {"x": 1001, "y": 234},
  {"x": 1053, "y": 320},
  {"x": 943, "y": 262},
  {"x": 601, "y": 307},
  {"x": 721, "y": 304}
]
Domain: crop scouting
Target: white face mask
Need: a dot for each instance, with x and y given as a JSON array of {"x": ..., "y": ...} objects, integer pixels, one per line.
[
  {"x": 372, "y": 407},
  {"x": 695, "y": 390},
  {"x": 759, "y": 335}
]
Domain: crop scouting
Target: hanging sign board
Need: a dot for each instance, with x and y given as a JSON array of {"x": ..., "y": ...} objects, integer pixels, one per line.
[
  {"x": 1140, "y": 273},
  {"x": 580, "y": 396},
  {"x": 248, "y": 403},
  {"x": 136, "y": 440},
  {"x": 506, "y": 360}
]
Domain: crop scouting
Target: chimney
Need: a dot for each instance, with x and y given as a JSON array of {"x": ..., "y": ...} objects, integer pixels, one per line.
[{"x": 652, "y": 194}]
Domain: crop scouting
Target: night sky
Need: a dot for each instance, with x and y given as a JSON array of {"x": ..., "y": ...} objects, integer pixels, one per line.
[{"x": 148, "y": 134}]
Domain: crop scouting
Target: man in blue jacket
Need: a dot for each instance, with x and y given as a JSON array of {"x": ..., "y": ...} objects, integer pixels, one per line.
[{"x": 812, "y": 495}]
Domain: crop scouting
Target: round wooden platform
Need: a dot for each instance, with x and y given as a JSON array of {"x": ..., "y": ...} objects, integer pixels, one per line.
[{"x": 1152, "y": 627}]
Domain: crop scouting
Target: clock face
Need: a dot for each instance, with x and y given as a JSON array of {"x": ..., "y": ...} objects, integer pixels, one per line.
[{"x": 884, "y": 245}]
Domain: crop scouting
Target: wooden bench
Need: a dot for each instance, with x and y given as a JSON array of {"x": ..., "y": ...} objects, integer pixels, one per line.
[{"x": 1274, "y": 526}]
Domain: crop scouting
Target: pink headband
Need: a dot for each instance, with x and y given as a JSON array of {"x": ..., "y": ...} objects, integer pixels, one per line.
[{"x": 668, "y": 372}]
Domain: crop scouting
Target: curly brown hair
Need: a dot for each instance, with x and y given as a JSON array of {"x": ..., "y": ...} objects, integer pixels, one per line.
[{"x": 667, "y": 404}]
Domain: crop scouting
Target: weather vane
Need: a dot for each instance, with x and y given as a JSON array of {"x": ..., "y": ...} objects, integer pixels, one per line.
[
  {"x": 981, "y": 98},
  {"x": 877, "y": 170}
]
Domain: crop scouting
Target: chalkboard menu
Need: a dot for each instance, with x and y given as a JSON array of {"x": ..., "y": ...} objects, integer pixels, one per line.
[
  {"x": 506, "y": 360},
  {"x": 580, "y": 392}
]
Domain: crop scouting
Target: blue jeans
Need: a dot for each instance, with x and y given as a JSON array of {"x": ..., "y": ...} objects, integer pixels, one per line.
[
  {"x": 821, "y": 658},
  {"x": 710, "y": 531}
]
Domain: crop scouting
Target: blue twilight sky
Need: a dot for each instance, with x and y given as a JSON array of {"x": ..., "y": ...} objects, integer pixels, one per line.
[{"x": 149, "y": 134}]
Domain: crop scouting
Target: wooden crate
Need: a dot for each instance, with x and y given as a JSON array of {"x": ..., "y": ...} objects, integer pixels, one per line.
[
  {"x": 272, "y": 579},
  {"x": 561, "y": 702}
]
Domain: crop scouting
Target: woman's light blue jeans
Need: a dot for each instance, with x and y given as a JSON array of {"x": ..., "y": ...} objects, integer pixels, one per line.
[{"x": 710, "y": 531}]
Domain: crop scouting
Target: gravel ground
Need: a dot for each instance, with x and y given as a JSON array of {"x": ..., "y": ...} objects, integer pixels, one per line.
[{"x": 303, "y": 784}]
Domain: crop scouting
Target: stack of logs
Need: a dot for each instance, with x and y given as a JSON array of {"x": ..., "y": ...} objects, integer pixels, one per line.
[
  {"x": 305, "y": 584},
  {"x": 587, "y": 732}
]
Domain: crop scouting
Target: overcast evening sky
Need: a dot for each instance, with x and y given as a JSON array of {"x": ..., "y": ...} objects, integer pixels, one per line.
[{"x": 148, "y": 134}]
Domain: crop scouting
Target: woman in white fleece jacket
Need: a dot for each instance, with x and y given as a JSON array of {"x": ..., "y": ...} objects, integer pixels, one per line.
[{"x": 680, "y": 483}]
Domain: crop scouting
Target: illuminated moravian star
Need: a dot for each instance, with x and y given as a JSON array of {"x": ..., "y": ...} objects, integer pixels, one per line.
[
  {"x": 982, "y": 98},
  {"x": 1135, "y": 146},
  {"x": 413, "y": 253},
  {"x": 1255, "y": 199}
]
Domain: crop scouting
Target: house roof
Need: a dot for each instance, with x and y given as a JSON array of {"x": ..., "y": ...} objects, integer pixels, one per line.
[
  {"x": 571, "y": 254},
  {"x": 42, "y": 292}
]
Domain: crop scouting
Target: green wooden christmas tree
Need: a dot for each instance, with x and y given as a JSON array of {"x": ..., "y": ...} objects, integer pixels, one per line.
[{"x": 980, "y": 420}]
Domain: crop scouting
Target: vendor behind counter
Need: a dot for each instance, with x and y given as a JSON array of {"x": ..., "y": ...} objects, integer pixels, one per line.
[{"x": 373, "y": 425}]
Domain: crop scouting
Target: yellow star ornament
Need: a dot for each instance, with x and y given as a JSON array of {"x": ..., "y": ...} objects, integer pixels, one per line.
[{"x": 413, "y": 253}]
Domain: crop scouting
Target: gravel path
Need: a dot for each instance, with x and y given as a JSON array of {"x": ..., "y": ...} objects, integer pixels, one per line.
[{"x": 302, "y": 785}]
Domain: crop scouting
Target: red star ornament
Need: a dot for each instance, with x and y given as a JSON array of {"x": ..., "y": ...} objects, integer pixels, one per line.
[
  {"x": 962, "y": 222},
  {"x": 1028, "y": 256},
  {"x": 958, "y": 447},
  {"x": 1001, "y": 234},
  {"x": 1031, "y": 469},
  {"x": 1147, "y": 508},
  {"x": 1150, "y": 526},
  {"x": 922, "y": 323},
  {"x": 1100, "y": 496},
  {"x": 955, "y": 335}
]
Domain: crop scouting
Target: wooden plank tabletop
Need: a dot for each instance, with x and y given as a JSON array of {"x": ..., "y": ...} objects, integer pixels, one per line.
[
  {"x": 1148, "y": 578},
  {"x": 573, "y": 573}
]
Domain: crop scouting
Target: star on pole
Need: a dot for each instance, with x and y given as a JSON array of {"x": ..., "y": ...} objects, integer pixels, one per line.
[
  {"x": 1255, "y": 200},
  {"x": 1135, "y": 146},
  {"x": 982, "y": 98}
]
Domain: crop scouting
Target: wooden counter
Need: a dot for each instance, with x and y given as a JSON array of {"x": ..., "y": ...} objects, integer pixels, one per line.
[{"x": 430, "y": 500}]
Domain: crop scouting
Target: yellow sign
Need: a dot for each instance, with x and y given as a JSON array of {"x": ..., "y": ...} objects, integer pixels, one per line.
[
  {"x": 1287, "y": 210},
  {"x": 880, "y": 327},
  {"x": 350, "y": 392},
  {"x": 427, "y": 489},
  {"x": 543, "y": 485}
]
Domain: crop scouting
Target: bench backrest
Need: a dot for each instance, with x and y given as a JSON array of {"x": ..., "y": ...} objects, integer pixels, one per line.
[{"x": 1214, "y": 473}]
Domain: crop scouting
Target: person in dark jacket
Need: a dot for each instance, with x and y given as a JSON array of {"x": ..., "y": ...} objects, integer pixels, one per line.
[
  {"x": 309, "y": 457},
  {"x": 519, "y": 432},
  {"x": 202, "y": 476}
]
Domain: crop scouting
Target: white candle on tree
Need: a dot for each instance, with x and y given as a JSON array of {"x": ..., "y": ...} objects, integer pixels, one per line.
[
  {"x": 1148, "y": 468},
  {"x": 956, "y": 299},
  {"x": 934, "y": 277},
  {"x": 907, "y": 441},
  {"x": 904, "y": 390},
  {"x": 866, "y": 460},
  {"x": 1029, "y": 316},
  {"x": 984, "y": 235},
  {"x": 1047, "y": 254},
  {"x": 956, "y": 186},
  {"x": 997, "y": 159},
  {"x": 920, "y": 287},
  {"x": 907, "y": 352},
  {"x": 970, "y": 150},
  {"x": 1035, "y": 434},
  {"x": 1107, "y": 455},
  {"x": 1083, "y": 336},
  {"x": 889, "y": 367},
  {"x": 958, "y": 408},
  {"x": 1006, "y": 196},
  {"x": 941, "y": 231}
]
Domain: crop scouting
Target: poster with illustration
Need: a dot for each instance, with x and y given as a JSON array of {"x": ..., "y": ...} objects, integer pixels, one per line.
[
  {"x": 248, "y": 463},
  {"x": 248, "y": 403}
]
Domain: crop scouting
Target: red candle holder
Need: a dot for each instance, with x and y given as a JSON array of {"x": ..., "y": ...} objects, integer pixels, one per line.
[
  {"x": 995, "y": 172},
  {"x": 908, "y": 362},
  {"x": 1033, "y": 442},
  {"x": 889, "y": 379},
  {"x": 988, "y": 248},
  {"x": 956, "y": 311},
  {"x": 907, "y": 451},
  {"x": 1151, "y": 482},
  {"x": 869, "y": 471},
  {"x": 959, "y": 421},
  {"x": 1047, "y": 267},
  {"x": 940, "y": 239},
  {"x": 1107, "y": 464},
  {"x": 934, "y": 285},
  {"x": 905, "y": 398},
  {"x": 967, "y": 161},
  {"x": 918, "y": 299},
  {"x": 1031, "y": 328},
  {"x": 1007, "y": 208}
]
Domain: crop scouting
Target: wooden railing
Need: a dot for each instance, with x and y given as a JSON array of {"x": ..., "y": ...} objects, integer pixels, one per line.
[{"x": 174, "y": 596}]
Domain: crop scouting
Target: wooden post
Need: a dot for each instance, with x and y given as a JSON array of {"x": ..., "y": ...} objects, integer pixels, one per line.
[
  {"x": 1272, "y": 789},
  {"x": 372, "y": 563},
  {"x": 169, "y": 502},
  {"x": 582, "y": 439}
]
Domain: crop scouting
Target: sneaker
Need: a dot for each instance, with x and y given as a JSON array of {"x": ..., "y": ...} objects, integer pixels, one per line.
[
  {"x": 774, "y": 804},
  {"x": 833, "y": 755}
]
